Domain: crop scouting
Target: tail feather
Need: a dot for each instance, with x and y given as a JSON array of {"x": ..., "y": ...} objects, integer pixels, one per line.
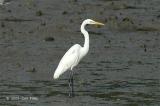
[
  {"x": 55, "y": 76},
  {"x": 58, "y": 72}
]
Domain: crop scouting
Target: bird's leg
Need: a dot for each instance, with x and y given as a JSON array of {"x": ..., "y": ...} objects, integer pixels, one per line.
[
  {"x": 72, "y": 90},
  {"x": 69, "y": 83},
  {"x": 71, "y": 93}
]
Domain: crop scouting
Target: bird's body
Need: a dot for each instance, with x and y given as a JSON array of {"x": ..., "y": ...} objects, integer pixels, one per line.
[
  {"x": 69, "y": 60},
  {"x": 73, "y": 56}
]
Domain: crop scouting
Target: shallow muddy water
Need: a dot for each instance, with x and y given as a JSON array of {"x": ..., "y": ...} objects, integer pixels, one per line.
[{"x": 122, "y": 67}]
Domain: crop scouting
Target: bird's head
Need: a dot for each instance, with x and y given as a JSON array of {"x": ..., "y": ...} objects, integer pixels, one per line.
[{"x": 92, "y": 22}]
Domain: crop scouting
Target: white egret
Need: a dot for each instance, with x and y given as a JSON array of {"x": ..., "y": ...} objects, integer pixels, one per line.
[{"x": 73, "y": 56}]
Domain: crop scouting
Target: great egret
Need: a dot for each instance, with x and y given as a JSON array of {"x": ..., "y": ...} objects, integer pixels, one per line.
[{"x": 73, "y": 56}]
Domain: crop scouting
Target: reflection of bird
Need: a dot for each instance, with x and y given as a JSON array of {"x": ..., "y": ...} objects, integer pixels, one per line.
[{"x": 73, "y": 56}]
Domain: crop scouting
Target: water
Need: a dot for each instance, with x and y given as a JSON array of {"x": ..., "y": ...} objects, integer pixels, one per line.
[{"x": 121, "y": 69}]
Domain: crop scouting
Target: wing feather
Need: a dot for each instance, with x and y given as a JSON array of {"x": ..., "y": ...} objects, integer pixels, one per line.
[{"x": 68, "y": 61}]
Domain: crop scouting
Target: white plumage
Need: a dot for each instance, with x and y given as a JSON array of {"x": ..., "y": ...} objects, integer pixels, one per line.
[
  {"x": 73, "y": 56},
  {"x": 69, "y": 60}
]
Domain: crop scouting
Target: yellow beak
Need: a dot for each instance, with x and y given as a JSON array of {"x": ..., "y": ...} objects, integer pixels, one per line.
[{"x": 98, "y": 23}]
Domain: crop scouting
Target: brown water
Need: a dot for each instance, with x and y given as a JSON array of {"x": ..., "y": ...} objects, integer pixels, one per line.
[{"x": 121, "y": 69}]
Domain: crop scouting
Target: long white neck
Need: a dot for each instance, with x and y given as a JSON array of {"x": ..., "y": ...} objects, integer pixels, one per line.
[{"x": 86, "y": 37}]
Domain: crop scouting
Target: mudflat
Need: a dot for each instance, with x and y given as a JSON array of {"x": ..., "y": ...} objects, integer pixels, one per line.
[{"x": 122, "y": 67}]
